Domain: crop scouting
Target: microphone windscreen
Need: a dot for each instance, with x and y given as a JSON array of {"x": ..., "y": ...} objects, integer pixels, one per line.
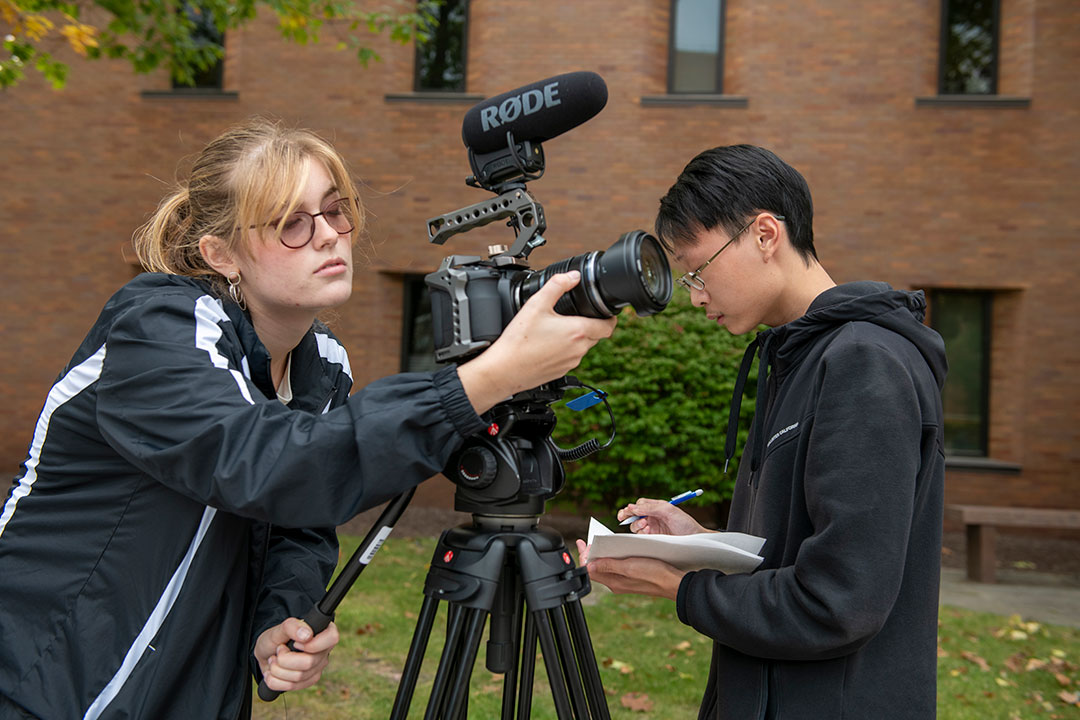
[{"x": 535, "y": 112}]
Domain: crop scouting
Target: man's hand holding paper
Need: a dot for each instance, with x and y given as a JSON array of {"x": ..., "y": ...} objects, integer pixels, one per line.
[{"x": 656, "y": 565}]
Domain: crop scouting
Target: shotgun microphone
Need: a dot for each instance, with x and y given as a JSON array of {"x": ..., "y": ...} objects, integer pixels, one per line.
[{"x": 535, "y": 112}]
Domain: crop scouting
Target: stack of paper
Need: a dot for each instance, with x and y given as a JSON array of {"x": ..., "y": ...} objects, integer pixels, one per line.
[{"x": 729, "y": 552}]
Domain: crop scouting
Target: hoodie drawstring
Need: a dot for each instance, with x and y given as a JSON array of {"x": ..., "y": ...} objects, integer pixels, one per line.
[
  {"x": 759, "y": 404},
  {"x": 736, "y": 402}
]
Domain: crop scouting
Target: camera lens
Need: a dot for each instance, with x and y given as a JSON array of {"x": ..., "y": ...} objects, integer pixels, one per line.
[{"x": 634, "y": 271}]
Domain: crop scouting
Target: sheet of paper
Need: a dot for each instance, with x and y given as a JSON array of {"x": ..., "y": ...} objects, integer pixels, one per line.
[{"x": 728, "y": 552}]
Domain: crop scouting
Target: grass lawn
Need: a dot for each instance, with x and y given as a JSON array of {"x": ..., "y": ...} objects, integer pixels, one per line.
[{"x": 653, "y": 666}]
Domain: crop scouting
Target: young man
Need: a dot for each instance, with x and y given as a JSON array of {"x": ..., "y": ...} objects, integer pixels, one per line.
[{"x": 843, "y": 472}]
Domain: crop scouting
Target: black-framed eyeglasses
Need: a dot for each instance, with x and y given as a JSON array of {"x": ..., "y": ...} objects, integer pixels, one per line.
[
  {"x": 298, "y": 228},
  {"x": 692, "y": 280}
]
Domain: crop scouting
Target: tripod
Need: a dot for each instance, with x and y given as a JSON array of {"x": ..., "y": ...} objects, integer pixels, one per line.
[{"x": 505, "y": 567}]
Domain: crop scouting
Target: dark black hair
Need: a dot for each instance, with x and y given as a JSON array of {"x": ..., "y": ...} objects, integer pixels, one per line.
[{"x": 725, "y": 186}]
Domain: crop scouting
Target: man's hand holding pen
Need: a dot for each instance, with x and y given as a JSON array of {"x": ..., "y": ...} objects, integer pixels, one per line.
[{"x": 645, "y": 576}]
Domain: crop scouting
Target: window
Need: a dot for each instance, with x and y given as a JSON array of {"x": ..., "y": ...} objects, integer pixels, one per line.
[
  {"x": 440, "y": 60},
  {"x": 962, "y": 318},
  {"x": 418, "y": 343},
  {"x": 204, "y": 36},
  {"x": 695, "y": 56},
  {"x": 969, "y": 47}
]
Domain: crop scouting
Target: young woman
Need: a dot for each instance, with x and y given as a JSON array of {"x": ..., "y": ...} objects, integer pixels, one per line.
[{"x": 175, "y": 512}]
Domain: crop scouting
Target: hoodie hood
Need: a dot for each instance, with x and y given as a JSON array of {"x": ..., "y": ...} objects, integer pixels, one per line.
[
  {"x": 900, "y": 311},
  {"x": 784, "y": 347}
]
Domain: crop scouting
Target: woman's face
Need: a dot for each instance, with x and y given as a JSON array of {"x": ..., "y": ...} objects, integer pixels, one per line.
[{"x": 279, "y": 282}]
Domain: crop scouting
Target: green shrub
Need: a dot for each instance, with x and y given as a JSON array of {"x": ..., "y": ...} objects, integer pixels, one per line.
[{"x": 670, "y": 379}]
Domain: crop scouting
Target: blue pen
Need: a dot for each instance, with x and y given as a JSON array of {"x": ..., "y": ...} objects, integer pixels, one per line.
[{"x": 674, "y": 501}]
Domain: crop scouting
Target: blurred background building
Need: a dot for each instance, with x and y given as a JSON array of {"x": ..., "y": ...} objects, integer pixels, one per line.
[{"x": 939, "y": 138}]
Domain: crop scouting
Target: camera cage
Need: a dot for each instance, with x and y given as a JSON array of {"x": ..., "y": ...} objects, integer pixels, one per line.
[{"x": 503, "y": 172}]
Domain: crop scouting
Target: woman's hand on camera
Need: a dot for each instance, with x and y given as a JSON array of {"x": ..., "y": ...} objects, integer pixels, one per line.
[
  {"x": 284, "y": 669},
  {"x": 659, "y": 517},
  {"x": 536, "y": 347}
]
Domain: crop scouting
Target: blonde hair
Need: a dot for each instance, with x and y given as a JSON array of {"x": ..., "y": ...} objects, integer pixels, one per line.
[{"x": 249, "y": 175}]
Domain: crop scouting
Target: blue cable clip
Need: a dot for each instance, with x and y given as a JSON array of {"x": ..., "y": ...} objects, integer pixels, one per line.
[{"x": 586, "y": 401}]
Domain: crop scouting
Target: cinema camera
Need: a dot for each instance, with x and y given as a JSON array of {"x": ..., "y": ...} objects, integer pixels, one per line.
[{"x": 473, "y": 298}]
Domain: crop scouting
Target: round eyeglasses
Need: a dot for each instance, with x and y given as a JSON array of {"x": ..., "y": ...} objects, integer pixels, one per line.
[
  {"x": 298, "y": 228},
  {"x": 692, "y": 280}
]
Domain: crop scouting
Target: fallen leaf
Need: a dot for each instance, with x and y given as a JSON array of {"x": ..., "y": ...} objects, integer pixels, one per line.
[
  {"x": 638, "y": 702},
  {"x": 972, "y": 657},
  {"x": 368, "y": 629},
  {"x": 1070, "y": 698},
  {"x": 617, "y": 665},
  {"x": 1062, "y": 679},
  {"x": 1015, "y": 662}
]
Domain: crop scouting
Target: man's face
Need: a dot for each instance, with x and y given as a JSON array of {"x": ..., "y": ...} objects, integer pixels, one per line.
[{"x": 738, "y": 291}]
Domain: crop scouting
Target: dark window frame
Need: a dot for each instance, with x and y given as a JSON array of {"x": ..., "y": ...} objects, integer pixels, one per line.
[
  {"x": 672, "y": 19},
  {"x": 944, "y": 44},
  {"x": 464, "y": 60},
  {"x": 987, "y": 307},
  {"x": 212, "y": 79},
  {"x": 409, "y": 308}
]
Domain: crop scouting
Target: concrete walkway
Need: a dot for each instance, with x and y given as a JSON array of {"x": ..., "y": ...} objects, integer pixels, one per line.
[{"x": 1041, "y": 597}]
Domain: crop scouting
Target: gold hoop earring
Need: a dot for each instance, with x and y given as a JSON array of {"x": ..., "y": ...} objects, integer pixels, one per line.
[{"x": 234, "y": 289}]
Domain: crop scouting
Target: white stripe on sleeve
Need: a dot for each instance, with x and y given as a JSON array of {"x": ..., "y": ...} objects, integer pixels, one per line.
[
  {"x": 208, "y": 313},
  {"x": 74, "y": 382}
]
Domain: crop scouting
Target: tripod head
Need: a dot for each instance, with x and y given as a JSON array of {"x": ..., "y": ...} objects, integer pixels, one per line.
[{"x": 515, "y": 467}]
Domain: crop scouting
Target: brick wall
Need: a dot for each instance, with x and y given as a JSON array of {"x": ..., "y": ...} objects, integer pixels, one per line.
[{"x": 919, "y": 195}]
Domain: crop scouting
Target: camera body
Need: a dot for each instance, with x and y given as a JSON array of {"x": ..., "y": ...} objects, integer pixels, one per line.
[{"x": 473, "y": 298}]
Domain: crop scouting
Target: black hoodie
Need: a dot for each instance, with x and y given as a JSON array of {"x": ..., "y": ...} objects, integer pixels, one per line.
[{"x": 843, "y": 475}]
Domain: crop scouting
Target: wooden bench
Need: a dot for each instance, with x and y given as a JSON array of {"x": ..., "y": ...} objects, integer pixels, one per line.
[{"x": 980, "y": 527}]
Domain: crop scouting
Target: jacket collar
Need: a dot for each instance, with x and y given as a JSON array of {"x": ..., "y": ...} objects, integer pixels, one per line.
[{"x": 315, "y": 380}]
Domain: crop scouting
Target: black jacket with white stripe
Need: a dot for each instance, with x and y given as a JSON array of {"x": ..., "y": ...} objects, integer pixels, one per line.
[{"x": 171, "y": 508}]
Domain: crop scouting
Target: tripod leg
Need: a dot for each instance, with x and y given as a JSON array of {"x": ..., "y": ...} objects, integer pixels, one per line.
[
  {"x": 554, "y": 667},
  {"x": 594, "y": 688},
  {"x": 436, "y": 702},
  {"x": 466, "y": 658},
  {"x": 407, "y": 685},
  {"x": 568, "y": 661}
]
